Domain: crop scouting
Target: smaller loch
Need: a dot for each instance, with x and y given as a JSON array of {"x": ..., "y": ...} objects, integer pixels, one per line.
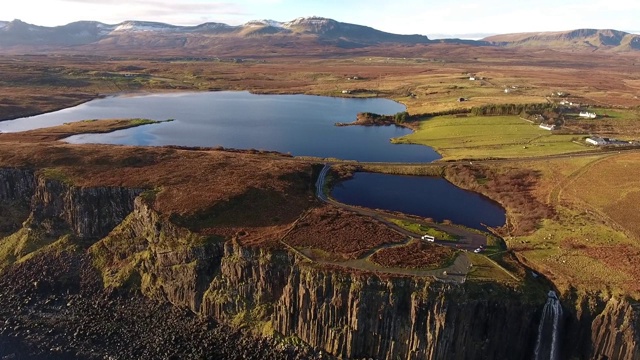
[{"x": 428, "y": 197}]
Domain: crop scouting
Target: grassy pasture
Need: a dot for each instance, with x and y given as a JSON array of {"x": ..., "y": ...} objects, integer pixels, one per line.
[
  {"x": 591, "y": 240},
  {"x": 612, "y": 188},
  {"x": 477, "y": 137},
  {"x": 425, "y": 230},
  {"x": 621, "y": 123}
]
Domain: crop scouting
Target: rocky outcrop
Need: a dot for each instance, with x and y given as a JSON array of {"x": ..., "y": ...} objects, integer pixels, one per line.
[
  {"x": 89, "y": 213},
  {"x": 616, "y": 331},
  {"x": 16, "y": 184},
  {"x": 168, "y": 262},
  {"x": 345, "y": 314},
  {"x": 601, "y": 329},
  {"x": 348, "y": 315},
  {"x": 16, "y": 189},
  {"x": 37, "y": 212}
]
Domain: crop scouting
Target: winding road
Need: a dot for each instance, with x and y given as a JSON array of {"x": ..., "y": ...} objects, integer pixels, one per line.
[{"x": 456, "y": 272}]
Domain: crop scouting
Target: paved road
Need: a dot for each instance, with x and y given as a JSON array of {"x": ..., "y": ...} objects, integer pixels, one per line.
[{"x": 320, "y": 183}]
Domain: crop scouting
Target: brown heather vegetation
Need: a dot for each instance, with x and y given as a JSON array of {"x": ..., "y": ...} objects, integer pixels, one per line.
[
  {"x": 416, "y": 254},
  {"x": 511, "y": 187},
  {"x": 591, "y": 241},
  {"x": 339, "y": 232}
]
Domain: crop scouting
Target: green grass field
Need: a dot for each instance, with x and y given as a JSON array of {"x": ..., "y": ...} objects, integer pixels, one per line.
[
  {"x": 489, "y": 137},
  {"x": 424, "y": 230},
  {"x": 485, "y": 269}
]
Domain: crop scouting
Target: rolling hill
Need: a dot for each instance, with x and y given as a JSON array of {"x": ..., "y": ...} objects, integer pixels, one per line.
[{"x": 581, "y": 39}]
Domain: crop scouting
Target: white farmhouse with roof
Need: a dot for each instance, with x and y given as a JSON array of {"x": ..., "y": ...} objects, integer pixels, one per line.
[
  {"x": 596, "y": 140},
  {"x": 589, "y": 115}
]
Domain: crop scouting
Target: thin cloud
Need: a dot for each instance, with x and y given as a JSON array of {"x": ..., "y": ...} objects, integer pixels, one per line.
[
  {"x": 169, "y": 6},
  {"x": 174, "y": 12}
]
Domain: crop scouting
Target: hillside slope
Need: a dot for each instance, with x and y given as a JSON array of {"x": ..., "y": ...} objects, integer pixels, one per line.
[{"x": 585, "y": 39}]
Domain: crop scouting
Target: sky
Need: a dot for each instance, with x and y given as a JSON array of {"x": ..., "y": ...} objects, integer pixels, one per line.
[{"x": 435, "y": 18}]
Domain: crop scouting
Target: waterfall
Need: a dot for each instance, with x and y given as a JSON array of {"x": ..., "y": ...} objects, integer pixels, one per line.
[{"x": 548, "y": 342}]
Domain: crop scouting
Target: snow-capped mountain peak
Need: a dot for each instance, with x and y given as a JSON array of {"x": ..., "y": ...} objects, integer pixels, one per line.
[
  {"x": 306, "y": 21},
  {"x": 265, "y": 22},
  {"x": 139, "y": 26}
]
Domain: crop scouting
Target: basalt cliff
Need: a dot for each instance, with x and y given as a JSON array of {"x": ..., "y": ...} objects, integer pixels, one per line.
[{"x": 274, "y": 291}]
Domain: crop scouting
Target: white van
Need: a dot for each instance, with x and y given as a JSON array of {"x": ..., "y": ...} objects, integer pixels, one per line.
[{"x": 428, "y": 238}]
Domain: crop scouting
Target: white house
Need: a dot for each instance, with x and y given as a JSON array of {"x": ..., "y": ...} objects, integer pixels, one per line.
[
  {"x": 588, "y": 115},
  {"x": 596, "y": 140},
  {"x": 472, "y": 78},
  {"x": 547, "y": 126}
]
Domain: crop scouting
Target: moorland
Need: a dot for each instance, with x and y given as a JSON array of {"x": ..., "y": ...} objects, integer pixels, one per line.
[{"x": 570, "y": 206}]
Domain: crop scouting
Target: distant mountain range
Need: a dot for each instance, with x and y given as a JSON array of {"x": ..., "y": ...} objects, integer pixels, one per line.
[
  {"x": 312, "y": 35},
  {"x": 592, "y": 39}
]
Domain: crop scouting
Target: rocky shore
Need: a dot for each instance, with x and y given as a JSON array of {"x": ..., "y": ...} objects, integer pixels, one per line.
[{"x": 54, "y": 307}]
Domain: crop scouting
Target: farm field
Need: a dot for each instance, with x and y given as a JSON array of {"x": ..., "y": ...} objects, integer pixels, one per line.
[
  {"x": 619, "y": 123},
  {"x": 589, "y": 240},
  {"x": 611, "y": 188},
  {"x": 481, "y": 137},
  {"x": 425, "y": 79}
]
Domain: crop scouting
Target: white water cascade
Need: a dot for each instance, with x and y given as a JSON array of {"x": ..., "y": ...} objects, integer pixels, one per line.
[{"x": 548, "y": 343}]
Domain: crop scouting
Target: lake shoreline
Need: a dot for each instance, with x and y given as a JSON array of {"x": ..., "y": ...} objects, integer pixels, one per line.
[{"x": 297, "y": 125}]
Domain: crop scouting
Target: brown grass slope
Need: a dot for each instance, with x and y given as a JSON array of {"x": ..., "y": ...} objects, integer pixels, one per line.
[{"x": 213, "y": 192}]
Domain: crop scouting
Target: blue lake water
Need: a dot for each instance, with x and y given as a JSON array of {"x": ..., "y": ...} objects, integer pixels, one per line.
[
  {"x": 302, "y": 125},
  {"x": 423, "y": 196}
]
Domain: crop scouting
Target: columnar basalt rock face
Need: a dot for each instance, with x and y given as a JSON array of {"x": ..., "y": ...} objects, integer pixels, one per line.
[
  {"x": 16, "y": 184},
  {"x": 173, "y": 263},
  {"x": 16, "y": 189},
  {"x": 616, "y": 331},
  {"x": 248, "y": 278},
  {"x": 89, "y": 213},
  {"x": 363, "y": 316}
]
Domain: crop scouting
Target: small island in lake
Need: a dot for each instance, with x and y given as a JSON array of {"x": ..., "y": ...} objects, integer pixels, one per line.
[{"x": 372, "y": 119}]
